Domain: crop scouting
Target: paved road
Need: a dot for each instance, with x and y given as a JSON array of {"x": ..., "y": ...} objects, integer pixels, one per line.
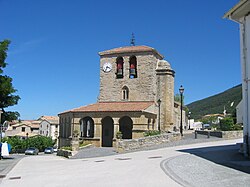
[
  {"x": 198, "y": 164},
  {"x": 187, "y": 139}
]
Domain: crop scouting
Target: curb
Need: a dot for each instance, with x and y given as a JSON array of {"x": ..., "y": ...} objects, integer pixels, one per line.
[
  {"x": 4, "y": 173},
  {"x": 169, "y": 172}
]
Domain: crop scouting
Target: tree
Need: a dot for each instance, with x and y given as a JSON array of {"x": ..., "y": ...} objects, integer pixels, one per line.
[
  {"x": 227, "y": 124},
  {"x": 3, "y": 54},
  {"x": 19, "y": 146},
  {"x": 7, "y": 97}
]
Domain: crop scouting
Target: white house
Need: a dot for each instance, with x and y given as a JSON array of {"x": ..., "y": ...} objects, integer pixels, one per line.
[
  {"x": 239, "y": 112},
  {"x": 49, "y": 126},
  {"x": 240, "y": 13}
]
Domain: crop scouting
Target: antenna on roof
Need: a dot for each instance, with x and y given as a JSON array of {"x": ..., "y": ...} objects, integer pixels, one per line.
[{"x": 132, "y": 41}]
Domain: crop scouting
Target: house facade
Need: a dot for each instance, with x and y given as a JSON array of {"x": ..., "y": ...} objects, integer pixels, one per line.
[
  {"x": 23, "y": 129},
  {"x": 240, "y": 13},
  {"x": 136, "y": 95},
  {"x": 49, "y": 126},
  {"x": 239, "y": 112}
]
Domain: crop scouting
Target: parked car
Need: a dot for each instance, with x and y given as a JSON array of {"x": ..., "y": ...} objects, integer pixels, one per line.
[
  {"x": 206, "y": 126},
  {"x": 49, "y": 150},
  {"x": 55, "y": 149},
  {"x": 31, "y": 151}
]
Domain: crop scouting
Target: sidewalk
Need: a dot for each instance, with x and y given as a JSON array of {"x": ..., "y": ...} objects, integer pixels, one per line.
[
  {"x": 209, "y": 166},
  {"x": 7, "y": 163}
]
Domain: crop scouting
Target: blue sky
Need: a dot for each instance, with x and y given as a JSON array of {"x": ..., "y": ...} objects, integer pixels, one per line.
[{"x": 54, "y": 62}]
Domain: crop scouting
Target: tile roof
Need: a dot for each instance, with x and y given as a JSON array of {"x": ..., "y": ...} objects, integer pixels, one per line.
[
  {"x": 30, "y": 123},
  {"x": 130, "y": 49},
  {"x": 136, "y": 106},
  {"x": 50, "y": 119}
]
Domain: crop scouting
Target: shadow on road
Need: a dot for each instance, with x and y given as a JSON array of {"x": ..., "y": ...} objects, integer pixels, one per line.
[{"x": 228, "y": 156}]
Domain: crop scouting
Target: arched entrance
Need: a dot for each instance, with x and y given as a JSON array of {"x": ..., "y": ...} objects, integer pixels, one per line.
[
  {"x": 87, "y": 127},
  {"x": 107, "y": 132},
  {"x": 126, "y": 126}
]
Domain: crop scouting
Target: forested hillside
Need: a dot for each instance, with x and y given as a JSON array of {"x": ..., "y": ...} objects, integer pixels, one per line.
[{"x": 215, "y": 104}]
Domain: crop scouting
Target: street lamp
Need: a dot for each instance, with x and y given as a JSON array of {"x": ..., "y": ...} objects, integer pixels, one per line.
[
  {"x": 189, "y": 117},
  {"x": 159, "y": 114},
  {"x": 181, "y": 90}
]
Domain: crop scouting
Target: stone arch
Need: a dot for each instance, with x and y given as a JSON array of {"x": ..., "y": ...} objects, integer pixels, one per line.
[
  {"x": 119, "y": 67},
  {"x": 107, "y": 131},
  {"x": 132, "y": 67},
  {"x": 87, "y": 127},
  {"x": 126, "y": 126}
]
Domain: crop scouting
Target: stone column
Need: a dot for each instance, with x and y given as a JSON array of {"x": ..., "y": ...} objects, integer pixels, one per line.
[
  {"x": 165, "y": 92},
  {"x": 75, "y": 141}
]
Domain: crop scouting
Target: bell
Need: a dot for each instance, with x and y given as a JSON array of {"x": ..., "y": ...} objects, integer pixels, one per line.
[{"x": 132, "y": 72}]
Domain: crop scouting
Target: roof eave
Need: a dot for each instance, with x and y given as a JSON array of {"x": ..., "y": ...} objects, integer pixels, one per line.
[
  {"x": 108, "y": 52},
  {"x": 239, "y": 10}
]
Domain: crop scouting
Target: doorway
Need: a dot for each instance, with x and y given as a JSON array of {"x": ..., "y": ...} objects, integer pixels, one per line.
[
  {"x": 126, "y": 126},
  {"x": 107, "y": 132}
]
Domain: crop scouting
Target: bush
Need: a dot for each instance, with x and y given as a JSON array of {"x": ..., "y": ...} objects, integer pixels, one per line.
[
  {"x": 40, "y": 142},
  {"x": 68, "y": 148},
  {"x": 19, "y": 146},
  {"x": 151, "y": 133},
  {"x": 227, "y": 124},
  {"x": 238, "y": 127},
  {"x": 119, "y": 135}
]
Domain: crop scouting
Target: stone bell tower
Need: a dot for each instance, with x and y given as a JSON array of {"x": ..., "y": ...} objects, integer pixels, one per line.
[
  {"x": 138, "y": 73},
  {"x": 128, "y": 74},
  {"x": 165, "y": 92}
]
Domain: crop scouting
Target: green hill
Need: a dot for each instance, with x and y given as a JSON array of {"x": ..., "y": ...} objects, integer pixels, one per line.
[{"x": 215, "y": 104}]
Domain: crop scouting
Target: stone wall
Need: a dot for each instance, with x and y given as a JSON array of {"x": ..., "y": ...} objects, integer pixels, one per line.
[
  {"x": 223, "y": 134},
  {"x": 142, "y": 88},
  {"x": 140, "y": 124},
  {"x": 228, "y": 134},
  {"x": 134, "y": 144}
]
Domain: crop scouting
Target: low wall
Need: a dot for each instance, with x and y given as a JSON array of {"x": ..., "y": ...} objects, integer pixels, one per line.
[
  {"x": 223, "y": 134},
  {"x": 134, "y": 144},
  {"x": 93, "y": 141},
  {"x": 65, "y": 153}
]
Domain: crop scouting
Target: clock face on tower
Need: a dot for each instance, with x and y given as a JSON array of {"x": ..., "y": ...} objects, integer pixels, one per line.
[{"x": 107, "y": 67}]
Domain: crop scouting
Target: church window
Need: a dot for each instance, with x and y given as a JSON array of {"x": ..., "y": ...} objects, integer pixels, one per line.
[
  {"x": 132, "y": 67},
  {"x": 87, "y": 127},
  {"x": 119, "y": 65},
  {"x": 125, "y": 93}
]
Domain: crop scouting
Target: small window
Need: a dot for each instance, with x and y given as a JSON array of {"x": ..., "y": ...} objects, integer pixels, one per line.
[
  {"x": 132, "y": 67},
  {"x": 125, "y": 93},
  {"x": 23, "y": 129},
  {"x": 119, "y": 70}
]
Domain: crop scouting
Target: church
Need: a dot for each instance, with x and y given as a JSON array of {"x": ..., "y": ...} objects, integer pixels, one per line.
[{"x": 136, "y": 95}]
